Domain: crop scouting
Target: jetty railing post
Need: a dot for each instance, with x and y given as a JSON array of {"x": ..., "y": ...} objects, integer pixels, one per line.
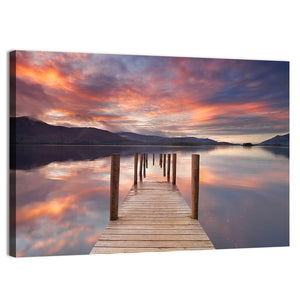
[
  {"x": 135, "y": 167},
  {"x": 144, "y": 163},
  {"x": 164, "y": 164},
  {"x": 141, "y": 167},
  {"x": 153, "y": 158},
  {"x": 160, "y": 160},
  {"x": 195, "y": 185},
  {"x": 168, "y": 167},
  {"x": 114, "y": 186},
  {"x": 174, "y": 168},
  {"x": 147, "y": 160}
]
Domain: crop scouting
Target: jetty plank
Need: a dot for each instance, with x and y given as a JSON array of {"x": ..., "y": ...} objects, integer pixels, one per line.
[
  {"x": 153, "y": 217},
  {"x": 152, "y": 244},
  {"x": 154, "y": 221},
  {"x": 107, "y": 250},
  {"x": 114, "y": 231},
  {"x": 154, "y": 237},
  {"x": 154, "y": 226}
]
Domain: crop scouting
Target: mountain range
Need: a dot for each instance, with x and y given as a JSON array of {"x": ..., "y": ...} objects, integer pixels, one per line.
[
  {"x": 26, "y": 130},
  {"x": 159, "y": 140}
]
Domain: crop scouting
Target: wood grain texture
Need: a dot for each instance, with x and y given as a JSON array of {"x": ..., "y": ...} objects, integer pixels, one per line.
[
  {"x": 195, "y": 185},
  {"x": 114, "y": 186},
  {"x": 108, "y": 250},
  {"x": 135, "y": 167},
  {"x": 153, "y": 217}
]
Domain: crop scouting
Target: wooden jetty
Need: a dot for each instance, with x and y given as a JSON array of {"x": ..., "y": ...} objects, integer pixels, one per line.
[{"x": 153, "y": 216}]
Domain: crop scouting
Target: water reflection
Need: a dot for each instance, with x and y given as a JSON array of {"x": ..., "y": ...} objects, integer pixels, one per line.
[
  {"x": 244, "y": 197},
  {"x": 28, "y": 157},
  {"x": 278, "y": 151},
  {"x": 63, "y": 195},
  {"x": 62, "y": 207}
]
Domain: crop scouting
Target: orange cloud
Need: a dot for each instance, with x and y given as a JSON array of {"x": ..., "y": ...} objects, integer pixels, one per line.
[
  {"x": 45, "y": 75},
  {"x": 167, "y": 95}
]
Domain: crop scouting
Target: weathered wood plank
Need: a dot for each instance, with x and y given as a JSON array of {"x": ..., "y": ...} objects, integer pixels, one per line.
[
  {"x": 155, "y": 226},
  {"x": 107, "y": 250},
  {"x": 164, "y": 210},
  {"x": 153, "y": 237},
  {"x": 169, "y": 211},
  {"x": 156, "y": 215},
  {"x": 153, "y": 217},
  {"x": 153, "y": 244},
  {"x": 139, "y": 218},
  {"x": 170, "y": 214},
  {"x": 154, "y": 221},
  {"x": 113, "y": 231},
  {"x": 153, "y": 204}
]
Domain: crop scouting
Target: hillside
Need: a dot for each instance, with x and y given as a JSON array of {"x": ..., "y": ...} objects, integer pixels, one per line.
[
  {"x": 25, "y": 130},
  {"x": 140, "y": 137},
  {"x": 175, "y": 141},
  {"x": 278, "y": 140}
]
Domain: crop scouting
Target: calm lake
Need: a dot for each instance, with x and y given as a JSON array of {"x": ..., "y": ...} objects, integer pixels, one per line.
[{"x": 62, "y": 194}]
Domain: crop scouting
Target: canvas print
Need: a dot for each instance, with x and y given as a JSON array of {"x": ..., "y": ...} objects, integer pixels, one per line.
[{"x": 130, "y": 153}]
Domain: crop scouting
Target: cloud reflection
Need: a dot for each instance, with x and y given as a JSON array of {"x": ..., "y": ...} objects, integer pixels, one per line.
[
  {"x": 62, "y": 207},
  {"x": 66, "y": 208}
]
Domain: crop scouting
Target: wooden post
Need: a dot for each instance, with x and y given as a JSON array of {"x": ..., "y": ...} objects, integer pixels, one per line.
[
  {"x": 168, "y": 167},
  {"x": 164, "y": 164},
  {"x": 141, "y": 167},
  {"x": 147, "y": 160},
  {"x": 160, "y": 160},
  {"x": 114, "y": 186},
  {"x": 135, "y": 167},
  {"x": 195, "y": 185},
  {"x": 144, "y": 157},
  {"x": 174, "y": 168},
  {"x": 153, "y": 158}
]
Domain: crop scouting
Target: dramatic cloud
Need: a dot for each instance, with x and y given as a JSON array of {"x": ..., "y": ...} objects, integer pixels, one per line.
[{"x": 229, "y": 100}]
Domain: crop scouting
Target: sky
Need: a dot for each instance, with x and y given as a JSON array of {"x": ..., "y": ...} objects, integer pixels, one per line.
[{"x": 222, "y": 99}]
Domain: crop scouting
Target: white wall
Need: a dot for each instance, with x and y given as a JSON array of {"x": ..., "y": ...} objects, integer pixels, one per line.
[{"x": 219, "y": 29}]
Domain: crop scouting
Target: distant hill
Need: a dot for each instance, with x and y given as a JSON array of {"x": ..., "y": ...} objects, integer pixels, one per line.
[
  {"x": 175, "y": 141},
  {"x": 25, "y": 130},
  {"x": 140, "y": 137},
  {"x": 31, "y": 131},
  {"x": 278, "y": 140}
]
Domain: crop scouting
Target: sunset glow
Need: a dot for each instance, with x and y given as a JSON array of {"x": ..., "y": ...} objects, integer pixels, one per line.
[{"x": 227, "y": 100}]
